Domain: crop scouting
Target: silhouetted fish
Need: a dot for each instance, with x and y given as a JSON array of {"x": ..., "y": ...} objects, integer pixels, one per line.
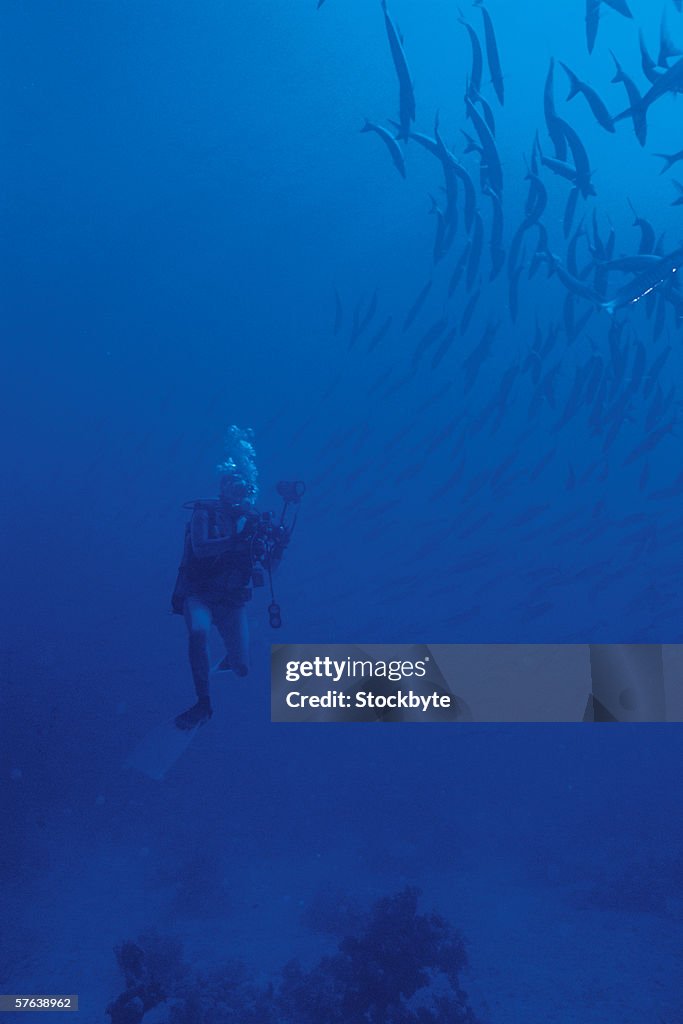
[
  {"x": 391, "y": 144},
  {"x": 490, "y": 158},
  {"x": 496, "y": 239},
  {"x": 406, "y": 93},
  {"x": 469, "y": 311},
  {"x": 477, "y": 56},
  {"x": 444, "y": 347},
  {"x": 478, "y": 355},
  {"x": 487, "y": 111},
  {"x": 647, "y": 64},
  {"x": 432, "y": 335},
  {"x": 635, "y": 100},
  {"x": 492, "y": 54},
  {"x": 669, "y": 160},
  {"x": 379, "y": 334},
  {"x": 570, "y": 210},
  {"x": 647, "y": 233},
  {"x": 667, "y": 48},
  {"x": 459, "y": 269},
  {"x": 551, "y": 119},
  {"x": 650, "y": 443},
  {"x": 647, "y": 282},
  {"x": 620, "y": 6},
  {"x": 573, "y": 284},
  {"x": 670, "y": 81},
  {"x": 598, "y": 108},
  {"x": 592, "y": 22},
  {"x": 580, "y": 158},
  {"x": 417, "y": 305},
  {"x": 453, "y": 164}
]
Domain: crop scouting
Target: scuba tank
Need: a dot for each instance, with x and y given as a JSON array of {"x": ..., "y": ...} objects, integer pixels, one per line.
[{"x": 259, "y": 547}]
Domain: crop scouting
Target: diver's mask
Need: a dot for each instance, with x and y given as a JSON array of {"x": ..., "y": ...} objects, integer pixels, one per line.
[{"x": 236, "y": 491}]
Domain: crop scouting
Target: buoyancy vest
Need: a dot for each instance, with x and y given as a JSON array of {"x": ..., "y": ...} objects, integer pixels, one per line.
[{"x": 223, "y": 577}]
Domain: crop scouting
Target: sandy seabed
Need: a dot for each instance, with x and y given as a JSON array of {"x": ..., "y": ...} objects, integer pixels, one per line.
[{"x": 536, "y": 957}]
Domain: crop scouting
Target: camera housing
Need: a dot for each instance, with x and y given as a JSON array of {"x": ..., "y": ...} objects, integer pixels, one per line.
[{"x": 291, "y": 491}]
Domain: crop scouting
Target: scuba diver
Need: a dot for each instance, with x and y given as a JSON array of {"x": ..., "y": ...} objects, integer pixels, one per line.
[{"x": 228, "y": 547}]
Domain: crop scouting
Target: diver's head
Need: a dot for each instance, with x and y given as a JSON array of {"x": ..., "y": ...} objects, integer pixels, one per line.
[
  {"x": 235, "y": 490},
  {"x": 238, "y": 474}
]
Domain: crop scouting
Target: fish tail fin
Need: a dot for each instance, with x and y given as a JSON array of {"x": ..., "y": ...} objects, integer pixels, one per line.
[
  {"x": 573, "y": 89},
  {"x": 647, "y": 61},
  {"x": 619, "y": 71},
  {"x": 472, "y": 146},
  {"x": 624, "y": 114},
  {"x": 669, "y": 161},
  {"x": 667, "y": 47},
  {"x": 574, "y": 83},
  {"x": 367, "y": 127}
]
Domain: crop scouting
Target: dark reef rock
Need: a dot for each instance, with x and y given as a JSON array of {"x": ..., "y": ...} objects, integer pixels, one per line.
[
  {"x": 398, "y": 966},
  {"x": 152, "y": 969},
  {"x": 402, "y": 967}
]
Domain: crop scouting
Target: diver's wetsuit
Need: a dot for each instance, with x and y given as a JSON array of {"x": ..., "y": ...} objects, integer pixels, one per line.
[{"x": 214, "y": 589}]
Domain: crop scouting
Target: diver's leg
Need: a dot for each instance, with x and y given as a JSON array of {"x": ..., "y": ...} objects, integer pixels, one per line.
[
  {"x": 233, "y": 626},
  {"x": 198, "y": 621}
]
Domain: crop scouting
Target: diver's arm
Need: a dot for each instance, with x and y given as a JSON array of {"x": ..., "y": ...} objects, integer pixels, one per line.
[{"x": 204, "y": 546}]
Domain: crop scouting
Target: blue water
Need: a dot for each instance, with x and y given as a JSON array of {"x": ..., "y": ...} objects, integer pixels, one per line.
[{"x": 185, "y": 186}]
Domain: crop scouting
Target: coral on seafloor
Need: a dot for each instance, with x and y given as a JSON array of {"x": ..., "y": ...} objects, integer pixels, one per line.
[
  {"x": 399, "y": 966},
  {"x": 152, "y": 968}
]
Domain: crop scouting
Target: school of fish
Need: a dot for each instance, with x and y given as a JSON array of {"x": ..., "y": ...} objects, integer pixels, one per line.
[{"x": 529, "y": 481}]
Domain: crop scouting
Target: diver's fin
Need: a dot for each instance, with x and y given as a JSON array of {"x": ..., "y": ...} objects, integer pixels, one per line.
[{"x": 156, "y": 754}]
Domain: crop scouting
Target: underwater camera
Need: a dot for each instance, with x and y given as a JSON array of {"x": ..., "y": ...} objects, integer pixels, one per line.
[
  {"x": 271, "y": 538},
  {"x": 267, "y": 534}
]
